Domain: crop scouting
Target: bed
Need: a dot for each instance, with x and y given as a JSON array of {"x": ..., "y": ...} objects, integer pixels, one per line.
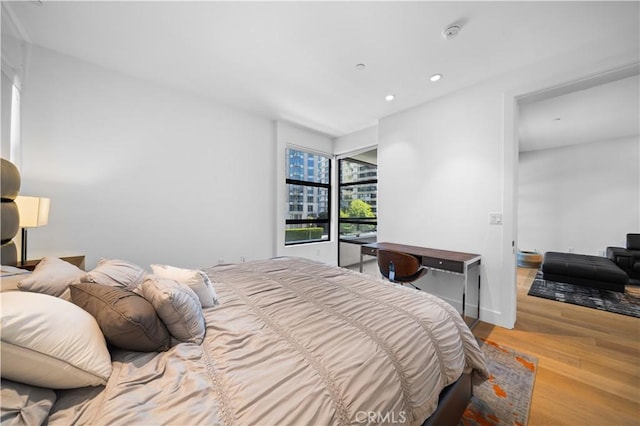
[{"x": 291, "y": 341}]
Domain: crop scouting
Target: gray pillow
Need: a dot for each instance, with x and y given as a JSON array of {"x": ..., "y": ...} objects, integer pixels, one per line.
[
  {"x": 22, "y": 404},
  {"x": 177, "y": 306},
  {"x": 127, "y": 320},
  {"x": 117, "y": 273}
]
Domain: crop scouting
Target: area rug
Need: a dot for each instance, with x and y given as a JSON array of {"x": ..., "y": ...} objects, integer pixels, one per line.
[
  {"x": 505, "y": 398},
  {"x": 627, "y": 303}
]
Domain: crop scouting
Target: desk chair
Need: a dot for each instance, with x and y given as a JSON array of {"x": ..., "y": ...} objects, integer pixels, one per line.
[{"x": 400, "y": 267}]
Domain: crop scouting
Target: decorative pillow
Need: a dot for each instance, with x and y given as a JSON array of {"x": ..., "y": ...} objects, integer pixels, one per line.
[
  {"x": 117, "y": 273},
  {"x": 177, "y": 306},
  {"x": 52, "y": 276},
  {"x": 198, "y": 281},
  {"x": 51, "y": 343},
  {"x": 127, "y": 320},
  {"x": 22, "y": 404}
]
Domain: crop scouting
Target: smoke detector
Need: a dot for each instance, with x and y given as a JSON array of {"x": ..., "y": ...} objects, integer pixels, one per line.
[{"x": 451, "y": 32}]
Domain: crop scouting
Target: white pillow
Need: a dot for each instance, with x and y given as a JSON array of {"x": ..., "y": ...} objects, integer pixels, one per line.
[
  {"x": 51, "y": 343},
  {"x": 177, "y": 306},
  {"x": 52, "y": 276},
  {"x": 198, "y": 281},
  {"x": 117, "y": 273}
]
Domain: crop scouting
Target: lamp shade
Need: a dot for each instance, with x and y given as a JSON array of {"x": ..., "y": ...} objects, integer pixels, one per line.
[{"x": 34, "y": 211}]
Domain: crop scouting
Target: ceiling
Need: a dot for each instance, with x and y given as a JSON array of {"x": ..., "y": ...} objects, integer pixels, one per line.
[
  {"x": 603, "y": 112},
  {"x": 296, "y": 61}
]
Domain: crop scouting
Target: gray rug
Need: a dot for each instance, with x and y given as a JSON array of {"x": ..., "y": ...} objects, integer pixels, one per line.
[
  {"x": 627, "y": 303},
  {"x": 505, "y": 398}
]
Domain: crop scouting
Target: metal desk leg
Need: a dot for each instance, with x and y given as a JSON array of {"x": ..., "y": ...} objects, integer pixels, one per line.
[
  {"x": 478, "y": 293},
  {"x": 464, "y": 292},
  {"x": 360, "y": 260}
]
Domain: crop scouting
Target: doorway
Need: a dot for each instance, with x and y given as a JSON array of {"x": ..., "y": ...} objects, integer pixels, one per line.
[
  {"x": 577, "y": 158},
  {"x": 511, "y": 191}
]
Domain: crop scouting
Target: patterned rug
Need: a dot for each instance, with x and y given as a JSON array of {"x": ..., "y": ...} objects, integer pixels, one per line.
[
  {"x": 505, "y": 398},
  {"x": 627, "y": 303}
]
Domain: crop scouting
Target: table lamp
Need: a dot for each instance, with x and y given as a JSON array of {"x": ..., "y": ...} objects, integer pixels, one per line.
[{"x": 34, "y": 212}]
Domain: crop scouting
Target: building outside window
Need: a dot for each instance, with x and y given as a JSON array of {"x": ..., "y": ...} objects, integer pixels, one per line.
[
  {"x": 309, "y": 197},
  {"x": 358, "y": 199}
]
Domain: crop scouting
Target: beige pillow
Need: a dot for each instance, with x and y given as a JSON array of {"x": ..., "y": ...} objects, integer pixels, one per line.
[
  {"x": 52, "y": 276},
  {"x": 127, "y": 320},
  {"x": 177, "y": 306},
  {"x": 198, "y": 281},
  {"x": 51, "y": 343},
  {"x": 117, "y": 273}
]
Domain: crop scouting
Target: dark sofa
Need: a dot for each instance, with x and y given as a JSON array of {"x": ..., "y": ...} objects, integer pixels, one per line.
[
  {"x": 585, "y": 270},
  {"x": 628, "y": 259}
]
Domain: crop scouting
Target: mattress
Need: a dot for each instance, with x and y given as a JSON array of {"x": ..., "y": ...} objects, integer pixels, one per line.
[{"x": 292, "y": 341}]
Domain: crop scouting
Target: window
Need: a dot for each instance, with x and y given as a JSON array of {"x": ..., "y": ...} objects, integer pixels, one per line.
[
  {"x": 309, "y": 203},
  {"x": 358, "y": 199}
]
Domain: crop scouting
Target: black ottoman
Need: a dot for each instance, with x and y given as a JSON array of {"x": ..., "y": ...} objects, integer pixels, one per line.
[{"x": 581, "y": 269}]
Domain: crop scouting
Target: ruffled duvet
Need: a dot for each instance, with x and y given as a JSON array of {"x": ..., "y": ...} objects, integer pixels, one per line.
[{"x": 292, "y": 342}]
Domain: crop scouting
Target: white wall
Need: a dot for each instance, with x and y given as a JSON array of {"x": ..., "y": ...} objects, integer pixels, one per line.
[
  {"x": 143, "y": 173},
  {"x": 15, "y": 54},
  {"x": 440, "y": 171},
  {"x": 579, "y": 198},
  {"x": 6, "y": 88},
  {"x": 291, "y": 135}
]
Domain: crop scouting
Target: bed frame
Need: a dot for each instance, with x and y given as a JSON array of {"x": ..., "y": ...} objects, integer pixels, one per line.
[{"x": 452, "y": 402}]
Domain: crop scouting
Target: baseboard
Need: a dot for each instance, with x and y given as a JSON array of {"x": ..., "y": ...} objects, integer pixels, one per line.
[{"x": 486, "y": 315}]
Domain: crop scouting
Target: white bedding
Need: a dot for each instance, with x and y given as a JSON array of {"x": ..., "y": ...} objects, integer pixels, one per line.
[
  {"x": 292, "y": 342},
  {"x": 10, "y": 276}
]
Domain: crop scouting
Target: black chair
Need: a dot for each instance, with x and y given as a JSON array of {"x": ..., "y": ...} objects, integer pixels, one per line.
[
  {"x": 400, "y": 267},
  {"x": 628, "y": 259}
]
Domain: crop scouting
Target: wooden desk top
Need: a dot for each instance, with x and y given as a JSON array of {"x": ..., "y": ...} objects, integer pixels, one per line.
[{"x": 454, "y": 256}]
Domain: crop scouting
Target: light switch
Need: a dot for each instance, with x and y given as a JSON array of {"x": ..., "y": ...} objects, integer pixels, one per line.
[{"x": 495, "y": 218}]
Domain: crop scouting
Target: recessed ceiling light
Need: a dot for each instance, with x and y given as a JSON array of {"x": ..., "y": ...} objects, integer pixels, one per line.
[
  {"x": 435, "y": 77},
  {"x": 360, "y": 67},
  {"x": 389, "y": 98}
]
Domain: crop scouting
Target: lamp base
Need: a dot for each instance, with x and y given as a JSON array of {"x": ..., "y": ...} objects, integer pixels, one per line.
[{"x": 23, "y": 247}]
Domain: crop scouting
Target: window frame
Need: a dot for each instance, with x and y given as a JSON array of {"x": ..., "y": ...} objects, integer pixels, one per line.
[
  {"x": 307, "y": 184},
  {"x": 341, "y": 186}
]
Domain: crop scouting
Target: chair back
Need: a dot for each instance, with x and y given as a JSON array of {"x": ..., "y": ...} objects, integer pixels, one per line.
[{"x": 399, "y": 267}]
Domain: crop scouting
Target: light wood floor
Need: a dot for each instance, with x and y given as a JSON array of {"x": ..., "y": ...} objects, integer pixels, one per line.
[{"x": 588, "y": 360}]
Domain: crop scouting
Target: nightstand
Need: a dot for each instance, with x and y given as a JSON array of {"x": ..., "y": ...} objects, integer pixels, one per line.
[{"x": 30, "y": 265}]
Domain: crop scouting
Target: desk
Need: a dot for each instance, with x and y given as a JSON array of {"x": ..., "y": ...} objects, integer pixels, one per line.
[{"x": 443, "y": 260}]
